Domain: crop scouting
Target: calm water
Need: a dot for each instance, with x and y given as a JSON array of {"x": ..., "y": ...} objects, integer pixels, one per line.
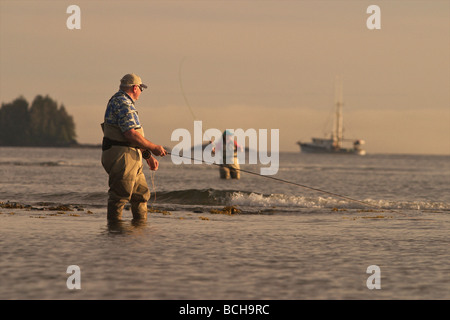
[{"x": 287, "y": 243}]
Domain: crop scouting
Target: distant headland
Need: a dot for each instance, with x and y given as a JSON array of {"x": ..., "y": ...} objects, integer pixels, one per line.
[{"x": 41, "y": 124}]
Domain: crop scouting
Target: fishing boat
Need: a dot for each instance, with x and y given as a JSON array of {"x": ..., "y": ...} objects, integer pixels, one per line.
[{"x": 335, "y": 143}]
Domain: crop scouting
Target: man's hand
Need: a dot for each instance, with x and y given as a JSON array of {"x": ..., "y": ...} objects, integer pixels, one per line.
[
  {"x": 152, "y": 163},
  {"x": 159, "y": 151}
]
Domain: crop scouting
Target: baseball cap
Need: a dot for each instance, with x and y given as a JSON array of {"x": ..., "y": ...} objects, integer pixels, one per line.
[
  {"x": 228, "y": 133},
  {"x": 131, "y": 79}
]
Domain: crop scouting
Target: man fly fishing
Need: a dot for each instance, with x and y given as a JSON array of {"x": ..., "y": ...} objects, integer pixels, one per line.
[
  {"x": 124, "y": 146},
  {"x": 228, "y": 147}
]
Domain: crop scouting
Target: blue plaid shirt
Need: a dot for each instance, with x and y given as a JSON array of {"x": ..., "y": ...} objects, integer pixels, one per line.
[{"x": 121, "y": 112}]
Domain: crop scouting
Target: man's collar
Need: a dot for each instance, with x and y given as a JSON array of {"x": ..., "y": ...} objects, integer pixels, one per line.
[{"x": 126, "y": 95}]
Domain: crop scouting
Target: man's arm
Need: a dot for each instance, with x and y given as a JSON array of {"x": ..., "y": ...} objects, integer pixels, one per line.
[{"x": 138, "y": 140}]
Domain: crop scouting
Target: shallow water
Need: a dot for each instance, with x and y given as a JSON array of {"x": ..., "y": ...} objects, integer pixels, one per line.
[{"x": 287, "y": 243}]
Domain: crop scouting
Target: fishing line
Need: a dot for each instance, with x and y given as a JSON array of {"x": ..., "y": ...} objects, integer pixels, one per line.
[
  {"x": 294, "y": 183},
  {"x": 182, "y": 91},
  {"x": 152, "y": 178},
  {"x": 184, "y": 95}
]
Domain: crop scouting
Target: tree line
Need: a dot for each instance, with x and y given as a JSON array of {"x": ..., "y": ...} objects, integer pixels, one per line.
[{"x": 42, "y": 123}]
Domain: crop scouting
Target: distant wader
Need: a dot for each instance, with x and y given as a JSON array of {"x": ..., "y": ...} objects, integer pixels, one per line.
[
  {"x": 127, "y": 182},
  {"x": 228, "y": 170}
]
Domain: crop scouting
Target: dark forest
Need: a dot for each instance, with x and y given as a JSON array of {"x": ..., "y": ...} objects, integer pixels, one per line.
[{"x": 41, "y": 124}]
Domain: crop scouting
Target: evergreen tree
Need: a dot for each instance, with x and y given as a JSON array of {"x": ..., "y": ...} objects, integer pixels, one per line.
[
  {"x": 66, "y": 127},
  {"x": 14, "y": 123}
]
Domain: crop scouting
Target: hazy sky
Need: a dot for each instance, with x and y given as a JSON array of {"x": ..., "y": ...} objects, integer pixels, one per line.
[{"x": 242, "y": 64}]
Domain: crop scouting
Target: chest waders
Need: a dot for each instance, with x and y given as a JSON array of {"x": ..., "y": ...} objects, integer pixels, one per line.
[
  {"x": 230, "y": 167},
  {"x": 123, "y": 163}
]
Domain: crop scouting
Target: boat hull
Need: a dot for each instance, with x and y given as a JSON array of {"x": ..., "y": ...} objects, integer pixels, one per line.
[{"x": 311, "y": 148}]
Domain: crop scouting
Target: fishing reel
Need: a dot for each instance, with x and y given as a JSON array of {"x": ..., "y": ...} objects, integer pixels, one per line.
[{"x": 146, "y": 154}]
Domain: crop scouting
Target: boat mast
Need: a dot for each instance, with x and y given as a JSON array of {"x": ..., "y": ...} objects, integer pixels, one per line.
[{"x": 337, "y": 134}]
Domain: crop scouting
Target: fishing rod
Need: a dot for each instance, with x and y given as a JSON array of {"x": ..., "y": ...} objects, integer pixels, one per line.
[{"x": 292, "y": 183}]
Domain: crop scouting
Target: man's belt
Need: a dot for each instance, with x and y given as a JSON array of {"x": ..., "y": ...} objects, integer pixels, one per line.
[{"x": 108, "y": 143}]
